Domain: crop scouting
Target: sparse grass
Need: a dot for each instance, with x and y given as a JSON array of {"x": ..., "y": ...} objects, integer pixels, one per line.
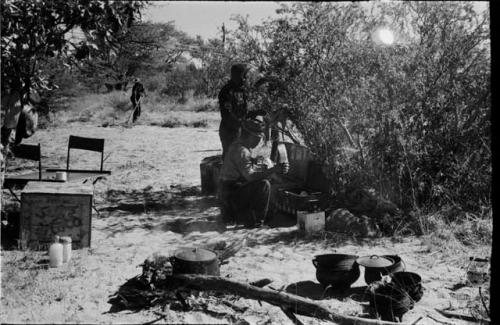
[{"x": 115, "y": 108}]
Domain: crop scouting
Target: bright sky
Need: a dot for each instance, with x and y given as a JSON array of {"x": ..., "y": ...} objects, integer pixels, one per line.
[{"x": 205, "y": 18}]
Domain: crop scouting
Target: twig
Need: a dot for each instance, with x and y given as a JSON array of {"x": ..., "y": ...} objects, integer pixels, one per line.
[
  {"x": 292, "y": 316},
  {"x": 461, "y": 316},
  {"x": 155, "y": 320},
  {"x": 437, "y": 320},
  {"x": 484, "y": 305},
  {"x": 418, "y": 319}
]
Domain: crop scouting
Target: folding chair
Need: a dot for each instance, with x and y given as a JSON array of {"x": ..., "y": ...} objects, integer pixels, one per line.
[
  {"x": 24, "y": 151},
  {"x": 91, "y": 144}
]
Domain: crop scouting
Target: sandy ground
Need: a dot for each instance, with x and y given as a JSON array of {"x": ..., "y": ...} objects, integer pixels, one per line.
[{"x": 155, "y": 182}]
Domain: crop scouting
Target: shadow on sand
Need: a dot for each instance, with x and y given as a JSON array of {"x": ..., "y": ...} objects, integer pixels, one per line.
[{"x": 316, "y": 291}]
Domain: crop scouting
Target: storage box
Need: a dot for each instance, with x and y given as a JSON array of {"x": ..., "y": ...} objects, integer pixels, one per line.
[
  {"x": 209, "y": 170},
  {"x": 310, "y": 222},
  {"x": 49, "y": 209}
]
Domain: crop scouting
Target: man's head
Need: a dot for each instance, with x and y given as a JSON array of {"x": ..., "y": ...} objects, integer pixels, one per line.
[
  {"x": 239, "y": 73},
  {"x": 252, "y": 132}
]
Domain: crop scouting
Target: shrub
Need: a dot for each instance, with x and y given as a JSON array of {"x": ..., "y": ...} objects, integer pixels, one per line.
[{"x": 416, "y": 113}]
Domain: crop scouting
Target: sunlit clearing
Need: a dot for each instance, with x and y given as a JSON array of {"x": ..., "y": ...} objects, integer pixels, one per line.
[{"x": 386, "y": 36}]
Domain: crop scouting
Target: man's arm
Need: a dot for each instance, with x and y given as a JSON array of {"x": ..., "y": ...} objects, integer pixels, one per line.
[{"x": 248, "y": 171}]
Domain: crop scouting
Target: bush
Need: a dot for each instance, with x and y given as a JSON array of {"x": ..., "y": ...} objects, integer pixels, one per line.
[
  {"x": 119, "y": 101},
  {"x": 416, "y": 113}
]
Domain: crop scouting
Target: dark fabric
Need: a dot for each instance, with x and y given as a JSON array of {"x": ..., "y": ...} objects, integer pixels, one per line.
[
  {"x": 137, "y": 112},
  {"x": 246, "y": 203},
  {"x": 137, "y": 92},
  {"x": 232, "y": 105},
  {"x": 227, "y": 136},
  {"x": 6, "y": 135}
]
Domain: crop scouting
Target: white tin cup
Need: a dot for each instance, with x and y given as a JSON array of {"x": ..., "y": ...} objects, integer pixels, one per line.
[{"x": 61, "y": 176}]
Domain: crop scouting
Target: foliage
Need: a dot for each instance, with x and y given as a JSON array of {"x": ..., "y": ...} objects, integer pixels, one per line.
[
  {"x": 410, "y": 120},
  {"x": 35, "y": 30}
]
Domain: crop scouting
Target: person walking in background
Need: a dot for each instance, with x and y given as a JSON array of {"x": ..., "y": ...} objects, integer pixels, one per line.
[
  {"x": 245, "y": 190},
  {"x": 137, "y": 93},
  {"x": 233, "y": 106}
]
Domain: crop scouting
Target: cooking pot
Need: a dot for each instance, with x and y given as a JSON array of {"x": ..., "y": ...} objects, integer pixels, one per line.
[
  {"x": 409, "y": 282},
  {"x": 390, "y": 302},
  {"x": 398, "y": 266},
  {"x": 337, "y": 270},
  {"x": 189, "y": 260},
  {"x": 375, "y": 267}
]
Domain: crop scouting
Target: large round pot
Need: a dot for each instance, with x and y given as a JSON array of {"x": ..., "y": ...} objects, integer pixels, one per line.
[
  {"x": 409, "y": 282},
  {"x": 375, "y": 267},
  {"x": 336, "y": 270},
  {"x": 195, "y": 261},
  {"x": 390, "y": 302}
]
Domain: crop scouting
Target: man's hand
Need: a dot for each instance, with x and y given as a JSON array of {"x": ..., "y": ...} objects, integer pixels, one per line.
[{"x": 281, "y": 168}]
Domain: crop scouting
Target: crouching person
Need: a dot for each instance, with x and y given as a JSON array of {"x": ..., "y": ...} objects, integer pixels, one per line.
[{"x": 245, "y": 192}]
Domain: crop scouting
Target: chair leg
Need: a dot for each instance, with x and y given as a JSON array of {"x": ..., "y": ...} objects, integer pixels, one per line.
[
  {"x": 95, "y": 209},
  {"x": 14, "y": 194}
]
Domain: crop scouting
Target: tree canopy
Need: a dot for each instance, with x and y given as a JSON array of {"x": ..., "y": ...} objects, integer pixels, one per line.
[{"x": 35, "y": 30}]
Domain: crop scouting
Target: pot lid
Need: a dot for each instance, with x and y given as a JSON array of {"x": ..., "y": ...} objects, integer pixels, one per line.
[
  {"x": 374, "y": 261},
  {"x": 193, "y": 254}
]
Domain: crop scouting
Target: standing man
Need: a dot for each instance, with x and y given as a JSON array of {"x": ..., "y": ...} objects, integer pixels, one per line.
[
  {"x": 233, "y": 106},
  {"x": 137, "y": 93},
  {"x": 245, "y": 191}
]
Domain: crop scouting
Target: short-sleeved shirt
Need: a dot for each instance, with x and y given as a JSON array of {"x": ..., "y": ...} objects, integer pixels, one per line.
[{"x": 238, "y": 165}]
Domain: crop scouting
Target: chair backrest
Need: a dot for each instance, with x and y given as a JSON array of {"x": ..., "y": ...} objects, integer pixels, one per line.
[
  {"x": 31, "y": 152},
  {"x": 91, "y": 144}
]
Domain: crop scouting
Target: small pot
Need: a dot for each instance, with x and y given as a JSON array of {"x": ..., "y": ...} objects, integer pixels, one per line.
[
  {"x": 336, "y": 270},
  {"x": 398, "y": 266},
  {"x": 195, "y": 261},
  {"x": 375, "y": 267},
  {"x": 409, "y": 282}
]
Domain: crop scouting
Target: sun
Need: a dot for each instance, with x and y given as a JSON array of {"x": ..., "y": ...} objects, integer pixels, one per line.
[{"x": 386, "y": 36}]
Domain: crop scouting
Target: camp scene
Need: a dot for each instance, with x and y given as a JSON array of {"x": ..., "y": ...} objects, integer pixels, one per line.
[{"x": 226, "y": 162}]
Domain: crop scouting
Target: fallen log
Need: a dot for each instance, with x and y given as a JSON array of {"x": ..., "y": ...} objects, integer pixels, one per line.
[{"x": 299, "y": 305}]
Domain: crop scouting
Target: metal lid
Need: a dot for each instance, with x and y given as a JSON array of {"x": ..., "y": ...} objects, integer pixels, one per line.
[
  {"x": 195, "y": 254},
  {"x": 66, "y": 239},
  {"x": 374, "y": 261}
]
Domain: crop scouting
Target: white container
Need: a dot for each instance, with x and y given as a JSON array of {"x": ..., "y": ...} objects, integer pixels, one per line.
[
  {"x": 56, "y": 253},
  {"x": 66, "y": 242},
  {"x": 310, "y": 222},
  {"x": 61, "y": 176}
]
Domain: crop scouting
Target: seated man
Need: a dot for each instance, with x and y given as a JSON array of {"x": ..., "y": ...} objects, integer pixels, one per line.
[{"x": 245, "y": 192}]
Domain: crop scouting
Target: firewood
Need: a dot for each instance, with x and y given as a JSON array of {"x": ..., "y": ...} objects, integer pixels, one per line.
[{"x": 300, "y": 305}]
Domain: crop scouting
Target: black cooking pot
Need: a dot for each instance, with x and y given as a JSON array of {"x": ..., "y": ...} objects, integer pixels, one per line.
[
  {"x": 398, "y": 266},
  {"x": 409, "y": 282},
  {"x": 195, "y": 261},
  {"x": 375, "y": 267},
  {"x": 337, "y": 270},
  {"x": 390, "y": 302}
]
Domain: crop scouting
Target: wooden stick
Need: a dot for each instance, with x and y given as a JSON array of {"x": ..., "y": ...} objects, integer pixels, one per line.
[
  {"x": 437, "y": 320},
  {"x": 468, "y": 318},
  {"x": 418, "y": 319},
  {"x": 300, "y": 305}
]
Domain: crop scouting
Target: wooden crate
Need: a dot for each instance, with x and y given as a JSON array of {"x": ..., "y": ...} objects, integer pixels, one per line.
[
  {"x": 49, "y": 209},
  {"x": 209, "y": 171}
]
